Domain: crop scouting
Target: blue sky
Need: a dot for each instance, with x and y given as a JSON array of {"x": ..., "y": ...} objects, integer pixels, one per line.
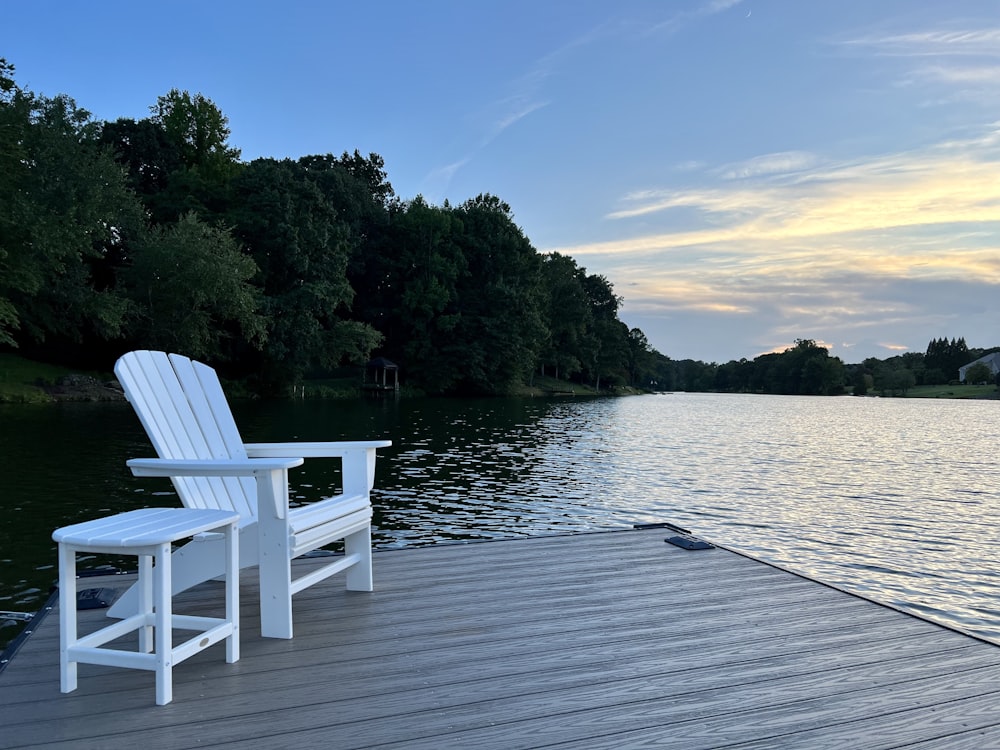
[{"x": 745, "y": 172}]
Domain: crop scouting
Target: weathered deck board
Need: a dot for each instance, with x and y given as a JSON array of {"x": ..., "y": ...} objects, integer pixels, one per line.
[{"x": 596, "y": 640}]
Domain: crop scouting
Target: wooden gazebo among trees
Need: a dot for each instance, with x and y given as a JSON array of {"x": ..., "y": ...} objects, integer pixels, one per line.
[{"x": 377, "y": 375}]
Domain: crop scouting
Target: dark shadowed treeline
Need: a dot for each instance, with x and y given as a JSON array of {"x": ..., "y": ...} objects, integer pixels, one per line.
[
  {"x": 153, "y": 233},
  {"x": 808, "y": 369}
]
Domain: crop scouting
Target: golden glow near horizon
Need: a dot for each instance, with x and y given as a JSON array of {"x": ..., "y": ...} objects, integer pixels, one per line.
[
  {"x": 901, "y": 192},
  {"x": 811, "y": 240}
]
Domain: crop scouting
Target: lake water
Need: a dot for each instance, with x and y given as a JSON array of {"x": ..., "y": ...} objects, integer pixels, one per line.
[{"x": 894, "y": 499}]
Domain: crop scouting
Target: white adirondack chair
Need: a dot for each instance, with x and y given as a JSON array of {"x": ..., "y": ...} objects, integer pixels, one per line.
[{"x": 186, "y": 416}]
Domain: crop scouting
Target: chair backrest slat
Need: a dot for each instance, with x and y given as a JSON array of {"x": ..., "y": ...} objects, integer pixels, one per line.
[{"x": 185, "y": 414}]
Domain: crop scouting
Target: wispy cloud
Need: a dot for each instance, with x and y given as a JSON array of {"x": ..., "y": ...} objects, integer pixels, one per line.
[
  {"x": 957, "y": 64},
  {"x": 717, "y": 6},
  {"x": 781, "y": 163},
  {"x": 510, "y": 112},
  {"x": 934, "y": 42},
  {"x": 446, "y": 172},
  {"x": 525, "y": 95},
  {"x": 956, "y": 183},
  {"x": 678, "y": 20},
  {"x": 971, "y": 74}
]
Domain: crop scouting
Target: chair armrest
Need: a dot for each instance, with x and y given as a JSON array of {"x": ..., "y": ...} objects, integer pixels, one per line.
[
  {"x": 312, "y": 450},
  {"x": 168, "y": 467},
  {"x": 357, "y": 456},
  {"x": 271, "y": 474}
]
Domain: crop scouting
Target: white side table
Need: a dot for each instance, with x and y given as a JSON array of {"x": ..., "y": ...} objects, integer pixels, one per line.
[{"x": 148, "y": 534}]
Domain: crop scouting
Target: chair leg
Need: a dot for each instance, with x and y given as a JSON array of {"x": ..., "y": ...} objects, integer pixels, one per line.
[
  {"x": 233, "y": 593},
  {"x": 144, "y": 589},
  {"x": 359, "y": 576},
  {"x": 275, "y": 597}
]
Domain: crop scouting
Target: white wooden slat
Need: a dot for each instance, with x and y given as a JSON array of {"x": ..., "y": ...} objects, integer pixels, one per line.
[
  {"x": 175, "y": 425},
  {"x": 202, "y": 492},
  {"x": 313, "y": 449},
  {"x": 318, "y": 536},
  {"x": 134, "y": 372},
  {"x": 218, "y": 431},
  {"x": 167, "y": 397},
  {"x": 213, "y": 400},
  {"x": 325, "y": 511},
  {"x": 201, "y": 428},
  {"x": 146, "y": 377},
  {"x": 140, "y": 527}
]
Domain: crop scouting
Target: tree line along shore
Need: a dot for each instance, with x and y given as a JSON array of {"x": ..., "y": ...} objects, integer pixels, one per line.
[{"x": 153, "y": 233}]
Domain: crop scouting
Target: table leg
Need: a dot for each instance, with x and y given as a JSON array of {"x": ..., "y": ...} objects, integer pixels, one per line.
[
  {"x": 67, "y": 617},
  {"x": 163, "y": 625}
]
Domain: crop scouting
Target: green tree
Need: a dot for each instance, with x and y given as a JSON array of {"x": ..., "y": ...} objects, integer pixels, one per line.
[
  {"x": 934, "y": 377},
  {"x": 861, "y": 381},
  {"x": 151, "y": 158},
  {"x": 891, "y": 381},
  {"x": 946, "y": 356},
  {"x": 663, "y": 373},
  {"x": 301, "y": 249},
  {"x": 421, "y": 294},
  {"x": 641, "y": 360},
  {"x": 358, "y": 185},
  {"x": 7, "y": 83},
  {"x": 199, "y": 131},
  {"x": 608, "y": 336},
  {"x": 14, "y": 119},
  {"x": 358, "y": 189},
  {"x": 734, "y": 376},
  {"x": 914, "y": 362},
  {"x": 808, "y": 369},
  {"x": 902, "y": 380},
  {"x": 191, "y": 286},
  {"x": 500, "y": 329},
  {"x": 979, "y": 373},
  {"x": 568, "y": 316},
  {"x": 804, "y": 369},
  {"x": 693, "y": 376},
  {"x": 65, "y": 214}
]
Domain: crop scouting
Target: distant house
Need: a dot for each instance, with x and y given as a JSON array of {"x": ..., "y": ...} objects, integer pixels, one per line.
[{"x": 990, "y": 360}]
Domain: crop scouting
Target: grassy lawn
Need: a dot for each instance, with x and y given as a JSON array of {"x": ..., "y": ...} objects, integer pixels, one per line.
[
  {"x": 21, "y": 379},
  {"x": 953, "y": 391}
]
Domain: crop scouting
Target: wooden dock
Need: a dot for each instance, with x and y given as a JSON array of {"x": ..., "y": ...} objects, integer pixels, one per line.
[{"x": 599, "y": 640}]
